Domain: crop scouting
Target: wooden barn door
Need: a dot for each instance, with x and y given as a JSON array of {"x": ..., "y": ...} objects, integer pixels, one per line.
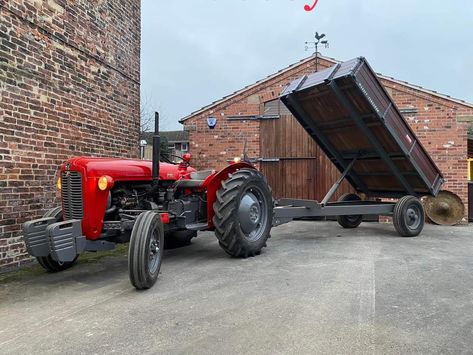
[{"x": 293, "y": 163}]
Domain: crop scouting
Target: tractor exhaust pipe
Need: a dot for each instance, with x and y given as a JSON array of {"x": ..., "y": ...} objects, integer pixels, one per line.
[{"x": 156, "y": 148}]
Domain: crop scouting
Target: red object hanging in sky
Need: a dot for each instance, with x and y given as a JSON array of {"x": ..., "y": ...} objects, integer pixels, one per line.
[{"x": 310, "y": 8}]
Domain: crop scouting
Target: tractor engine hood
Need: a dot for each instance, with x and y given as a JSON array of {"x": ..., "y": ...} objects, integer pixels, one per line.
[
  {"x": 123, "y": 169},
  {"x": 81, "y": 197}
]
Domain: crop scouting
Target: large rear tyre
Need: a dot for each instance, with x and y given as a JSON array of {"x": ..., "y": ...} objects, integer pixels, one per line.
[
  {"x": 47, "y": 262},
  {"x": 408, "y": 216},
  {"x": 351, "y": 221},
  {"x": 243, "y": 213},
  {"x": 178, "y": 239},
  {"x": 145, "y": 252}
]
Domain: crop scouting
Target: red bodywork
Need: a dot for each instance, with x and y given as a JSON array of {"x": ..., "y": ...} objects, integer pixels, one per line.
[{"x": 95, "y": 200}]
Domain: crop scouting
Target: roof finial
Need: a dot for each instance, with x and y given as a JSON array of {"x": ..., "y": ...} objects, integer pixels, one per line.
[{"x": 314, "y": 45}]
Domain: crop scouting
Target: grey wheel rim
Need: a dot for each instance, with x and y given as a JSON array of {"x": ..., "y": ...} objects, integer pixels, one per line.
[
  {"x": 154, "y": 253},
  {"x": 413, "y": 217},
  {"x": 253, "y": 214}
]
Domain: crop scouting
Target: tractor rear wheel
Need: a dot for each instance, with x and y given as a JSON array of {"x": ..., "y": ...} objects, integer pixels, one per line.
[
  {"x": 47, "y": 262},
  {"x": 408, "y": 216},
  {"x": 177, "y": 239},
  {"x": 145, "y": 252},
  {"x": 243, "y": 213},
  {"x": 351, "y": 221}
]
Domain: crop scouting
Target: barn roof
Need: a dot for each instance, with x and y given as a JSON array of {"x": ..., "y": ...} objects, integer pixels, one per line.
[{"x": 306, "y": 60}]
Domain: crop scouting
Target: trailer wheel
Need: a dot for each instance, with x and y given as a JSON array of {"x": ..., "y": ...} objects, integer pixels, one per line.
[
  {"x": 145, "y": 252},
  {"x": 47, "y": 262},
  {"x": 351, "y": 221},
  {"x": 408, "y": 216},
  {"x": 243, "y": 213},
  {"x": 178, "y": 239}
]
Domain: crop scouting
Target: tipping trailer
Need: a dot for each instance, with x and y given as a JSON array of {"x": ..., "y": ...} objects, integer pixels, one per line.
[{"x": 348, "y": 112}]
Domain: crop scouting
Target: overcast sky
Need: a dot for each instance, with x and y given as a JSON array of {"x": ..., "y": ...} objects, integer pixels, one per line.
[{"x": 195, "y": 52}]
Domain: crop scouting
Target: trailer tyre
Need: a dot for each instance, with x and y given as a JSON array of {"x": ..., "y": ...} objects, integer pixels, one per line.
[
  {"x": 243, "y": 213},
  {"x": 351, "y": 221},
  {"x": 408, "y": 216},
  {"x": 178, "y": 239},
  {"x": 145, "y": 252},
  {"x": 47, "y": 262}
]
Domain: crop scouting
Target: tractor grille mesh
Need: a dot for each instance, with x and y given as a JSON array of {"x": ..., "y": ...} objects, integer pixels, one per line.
[{"x": 72, "y": 195}]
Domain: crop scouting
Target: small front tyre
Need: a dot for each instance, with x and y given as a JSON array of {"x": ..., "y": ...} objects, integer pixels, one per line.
[
  {"x": 408, "y": 216},
  {"x": 145, "y": 252}
]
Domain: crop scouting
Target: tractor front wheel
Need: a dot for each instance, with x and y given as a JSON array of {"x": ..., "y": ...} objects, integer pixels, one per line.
[
  {"x": 145, "y": 252},
  {"x": 243, "y": 213},
  {"x": 47, "y": 262}
]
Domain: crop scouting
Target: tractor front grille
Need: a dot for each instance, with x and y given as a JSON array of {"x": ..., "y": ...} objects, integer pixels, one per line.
[{"x": 72, "y": 195}]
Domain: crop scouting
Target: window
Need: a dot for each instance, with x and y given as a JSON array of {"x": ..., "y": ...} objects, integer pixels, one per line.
[{"x": 185, "y": 147}]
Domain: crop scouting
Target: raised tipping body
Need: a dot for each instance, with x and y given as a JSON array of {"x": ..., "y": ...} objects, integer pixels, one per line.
[{"x": 348, "y": 112}]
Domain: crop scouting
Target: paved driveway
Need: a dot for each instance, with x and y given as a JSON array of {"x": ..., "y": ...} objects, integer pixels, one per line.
[{"x": 316, "y": 289}]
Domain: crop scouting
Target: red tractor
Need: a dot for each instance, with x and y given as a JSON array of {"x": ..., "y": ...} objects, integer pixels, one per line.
[{"x": 150, "y": 204}]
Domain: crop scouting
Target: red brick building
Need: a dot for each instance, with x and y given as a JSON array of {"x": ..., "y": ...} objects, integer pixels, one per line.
[
  {"x": 253, "y": 115},
  {"x": 70, "y": 80}
]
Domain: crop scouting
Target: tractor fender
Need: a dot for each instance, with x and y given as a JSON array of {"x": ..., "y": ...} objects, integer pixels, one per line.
[{"x": 214, "y": 182}]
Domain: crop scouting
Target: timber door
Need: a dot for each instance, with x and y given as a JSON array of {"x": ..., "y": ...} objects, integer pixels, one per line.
[{"x": 293, "y": 163}]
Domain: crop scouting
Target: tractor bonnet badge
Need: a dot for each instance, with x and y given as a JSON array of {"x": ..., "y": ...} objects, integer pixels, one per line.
[
  {"x": 211, "y": 122},
  {"x": 68, "y": 166}
]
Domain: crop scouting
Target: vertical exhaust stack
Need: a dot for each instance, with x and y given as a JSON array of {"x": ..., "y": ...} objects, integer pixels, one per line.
[{"x": 156, "y": 148}]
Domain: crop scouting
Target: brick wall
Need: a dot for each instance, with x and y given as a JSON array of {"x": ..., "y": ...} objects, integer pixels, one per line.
[
  {"x": 470, "y": 148},
  {"x": 69, "y": 85},
  {"x": 437, "y": 122},
  {"x": 439, "y": 125}
]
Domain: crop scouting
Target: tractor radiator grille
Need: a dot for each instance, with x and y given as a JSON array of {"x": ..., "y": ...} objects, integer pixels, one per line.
[{"x": 72, "y": 195}]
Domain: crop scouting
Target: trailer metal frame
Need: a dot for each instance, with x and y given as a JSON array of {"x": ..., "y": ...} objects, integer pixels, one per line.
[{"x": 286, "y": 210}]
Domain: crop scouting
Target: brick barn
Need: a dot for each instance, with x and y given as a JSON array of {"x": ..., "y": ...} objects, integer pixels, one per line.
[
  {"x": 293, "y": 163},
  {"x": 70, "y": 81}
]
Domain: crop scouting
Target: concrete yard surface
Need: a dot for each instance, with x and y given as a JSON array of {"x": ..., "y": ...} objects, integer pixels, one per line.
[{"x": 316, "y": 288}]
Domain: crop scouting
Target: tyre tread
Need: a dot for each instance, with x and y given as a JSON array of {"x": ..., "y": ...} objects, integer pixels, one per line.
[{"x": 224, "y": 208}]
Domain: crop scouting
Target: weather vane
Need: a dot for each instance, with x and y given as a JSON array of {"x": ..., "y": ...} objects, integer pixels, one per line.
[{"x": 315, "y": 44}]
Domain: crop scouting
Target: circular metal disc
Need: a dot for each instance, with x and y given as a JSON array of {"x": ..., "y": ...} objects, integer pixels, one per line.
[{"x": 446, "y": 209}]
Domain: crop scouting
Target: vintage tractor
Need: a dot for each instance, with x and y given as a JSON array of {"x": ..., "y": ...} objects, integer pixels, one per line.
[{"x": 150, "y": 204}]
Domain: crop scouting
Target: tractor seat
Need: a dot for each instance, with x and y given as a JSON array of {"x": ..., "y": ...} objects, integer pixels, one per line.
[{"x": 196, "y": 180}]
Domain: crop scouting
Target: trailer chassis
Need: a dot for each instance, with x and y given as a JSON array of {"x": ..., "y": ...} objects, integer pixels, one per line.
[{"x": 408, "y": 213}]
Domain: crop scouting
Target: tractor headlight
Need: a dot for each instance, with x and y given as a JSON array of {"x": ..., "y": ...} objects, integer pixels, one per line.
[
  {"x": 59, "y": 183},
  {"x": 105, "y": 182},
  {"x": 236, "y": 160}
]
